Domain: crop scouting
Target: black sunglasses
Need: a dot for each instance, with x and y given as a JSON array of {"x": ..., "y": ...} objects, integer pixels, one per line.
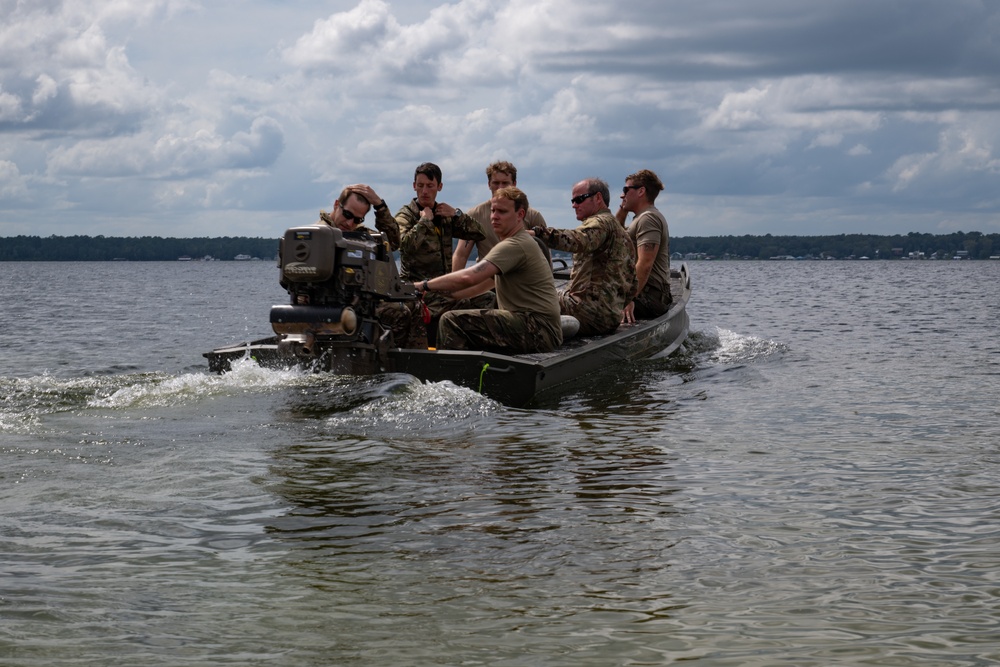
[
  {"x": 630, "y": 187},
  {"x": 579, "y": 199},
  {"x": 351, "y": 216}
]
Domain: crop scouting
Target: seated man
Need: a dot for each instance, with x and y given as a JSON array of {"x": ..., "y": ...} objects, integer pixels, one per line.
[
  {"x": 352, "y": 206},
  {"x": 651, "y": 241},
  {"x": 602, "y": 279},
  {"x": 427, "y": 227},
  {"x": 402, "y": 317},
  {"x": 527, "y": 319},
  {"x": 426, "y": 230}
]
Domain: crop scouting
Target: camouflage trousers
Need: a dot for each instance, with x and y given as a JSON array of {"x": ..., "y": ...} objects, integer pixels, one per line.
[
  {"x": 651, "y": 303},
  {"x": 496, "y": 331},
  {"x": 406, "y": 319},
  {"x": 596, "y": 318}
]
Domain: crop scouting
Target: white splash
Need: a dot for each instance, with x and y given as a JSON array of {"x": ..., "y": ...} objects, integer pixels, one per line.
[
  {"x": 246, "y": 375},
  {"x": 739, "y": 348}
]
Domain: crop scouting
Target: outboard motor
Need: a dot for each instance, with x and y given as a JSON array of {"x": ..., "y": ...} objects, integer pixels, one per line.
[{"x": 336, "y": 281}]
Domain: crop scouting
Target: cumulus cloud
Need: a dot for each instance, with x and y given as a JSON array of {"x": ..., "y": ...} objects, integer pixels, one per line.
[
  {"x": 344, "y": 40},
  {"x": 10, "y": 107},
  {"x": 261, "y": 107},
  {"x": 64, "y": 74},
  {"x": 46, "y": 89},
  {"x": 200, "y": 152},
  {"x": 12, "y": 184},
  {"x": 963, "y": 168}
]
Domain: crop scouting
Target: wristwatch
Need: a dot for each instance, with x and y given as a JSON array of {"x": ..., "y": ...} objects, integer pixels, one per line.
[
  {"x": 458, "y": 213},
  {"x": 426, "y": 288}
]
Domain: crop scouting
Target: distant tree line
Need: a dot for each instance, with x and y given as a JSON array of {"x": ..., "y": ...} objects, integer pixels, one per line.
[
  {"x": 138, "y": 249},
  {"x": 974, "y": 245}
]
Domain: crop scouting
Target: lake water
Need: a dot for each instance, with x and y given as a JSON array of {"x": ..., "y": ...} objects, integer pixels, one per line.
[{"x": 812, "y": 481}]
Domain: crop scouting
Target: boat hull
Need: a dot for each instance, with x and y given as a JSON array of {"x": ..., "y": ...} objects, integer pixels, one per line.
[{"x": 514, "y": 380}]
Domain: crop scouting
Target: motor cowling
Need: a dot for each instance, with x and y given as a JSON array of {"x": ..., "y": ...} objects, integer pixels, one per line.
[{"x": 334, "y": 281}]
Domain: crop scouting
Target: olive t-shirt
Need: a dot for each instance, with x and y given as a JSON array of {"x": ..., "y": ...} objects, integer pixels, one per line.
[
  {"x": 481, "y": 214},
  {"x": 525, "y": 282},
  {"x": 651, "y": 227}
]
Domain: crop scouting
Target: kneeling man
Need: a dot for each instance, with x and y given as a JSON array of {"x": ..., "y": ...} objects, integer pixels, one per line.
[{"x": 527, "y": 318}]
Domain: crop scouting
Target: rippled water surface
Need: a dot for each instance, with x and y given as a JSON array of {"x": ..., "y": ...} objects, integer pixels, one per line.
[{"x": 812, "y": 481}]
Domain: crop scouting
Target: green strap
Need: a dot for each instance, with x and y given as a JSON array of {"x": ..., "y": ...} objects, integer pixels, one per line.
[{"x": 481, "y": 374}]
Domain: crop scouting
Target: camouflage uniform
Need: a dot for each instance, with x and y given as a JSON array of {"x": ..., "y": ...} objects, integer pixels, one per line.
[
  {"x": 406, "y": 320},
  {"x": 495, "y": 330},
  {"x": 425, "y": 250},
  {"x": 528, "y": 317},
  {"x": 603, "y": 279}
]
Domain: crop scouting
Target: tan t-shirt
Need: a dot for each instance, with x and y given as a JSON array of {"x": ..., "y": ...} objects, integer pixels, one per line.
[
  {"x": 481, "y": 214},
  {"x": 650, "y": 227},
  {"x": 524, "y": 283}
]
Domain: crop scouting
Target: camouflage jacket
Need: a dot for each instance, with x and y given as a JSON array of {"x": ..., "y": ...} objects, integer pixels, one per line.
[
  {"x": 425, "y": 247},
  {"x": 603, "y": 259}
]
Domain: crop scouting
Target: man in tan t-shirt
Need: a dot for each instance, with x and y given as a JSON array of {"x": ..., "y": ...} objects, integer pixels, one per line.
[
  {"x": 651, "y": 240},
  {"x": 499, "y": 175},
  {"x": 527, "y": 318}
]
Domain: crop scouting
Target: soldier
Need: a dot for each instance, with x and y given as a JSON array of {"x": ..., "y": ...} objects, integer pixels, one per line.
[
  {"x": 427, "y": 226},
  {"x": 348, "y": 215},
  {"x": 498, "y": 175},
  {"x": 651, "y": 240},
  {"x": 426, "y": 229},
  {"x": 602, "y": 280},
  {"x": 352, "y": 206},
  {"x": 527, "y": 319}
]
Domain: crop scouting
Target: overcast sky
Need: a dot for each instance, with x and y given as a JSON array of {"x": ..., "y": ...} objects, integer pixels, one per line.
[{"x": 221, "y": 118}]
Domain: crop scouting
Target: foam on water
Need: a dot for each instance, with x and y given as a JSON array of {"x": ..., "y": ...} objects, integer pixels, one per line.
[
  {"x": 393, "y": 403},
  {"x": 245, "y": 376},
  {"x": 419, "y": 405},
  {"x": 27, "y": 400},
  {"x": 740, "y": 348}
]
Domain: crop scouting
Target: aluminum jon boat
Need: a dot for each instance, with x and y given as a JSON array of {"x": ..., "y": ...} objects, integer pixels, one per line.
[{"x": 336, "y": 280}]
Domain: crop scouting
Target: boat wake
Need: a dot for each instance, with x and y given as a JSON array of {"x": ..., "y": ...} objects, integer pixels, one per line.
[
  {"x": 166, "y": 390},
  {"x": 442, "y": 407},
  {"x": 731, "y": 348},
  {"x": 27, "y": 401},
  {"x": 395, "y": 401},
  {"x": 723, "y": 347}
]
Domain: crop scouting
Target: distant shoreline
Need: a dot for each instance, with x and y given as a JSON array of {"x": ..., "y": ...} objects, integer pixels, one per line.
[{"x": 957, "y": 245}]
